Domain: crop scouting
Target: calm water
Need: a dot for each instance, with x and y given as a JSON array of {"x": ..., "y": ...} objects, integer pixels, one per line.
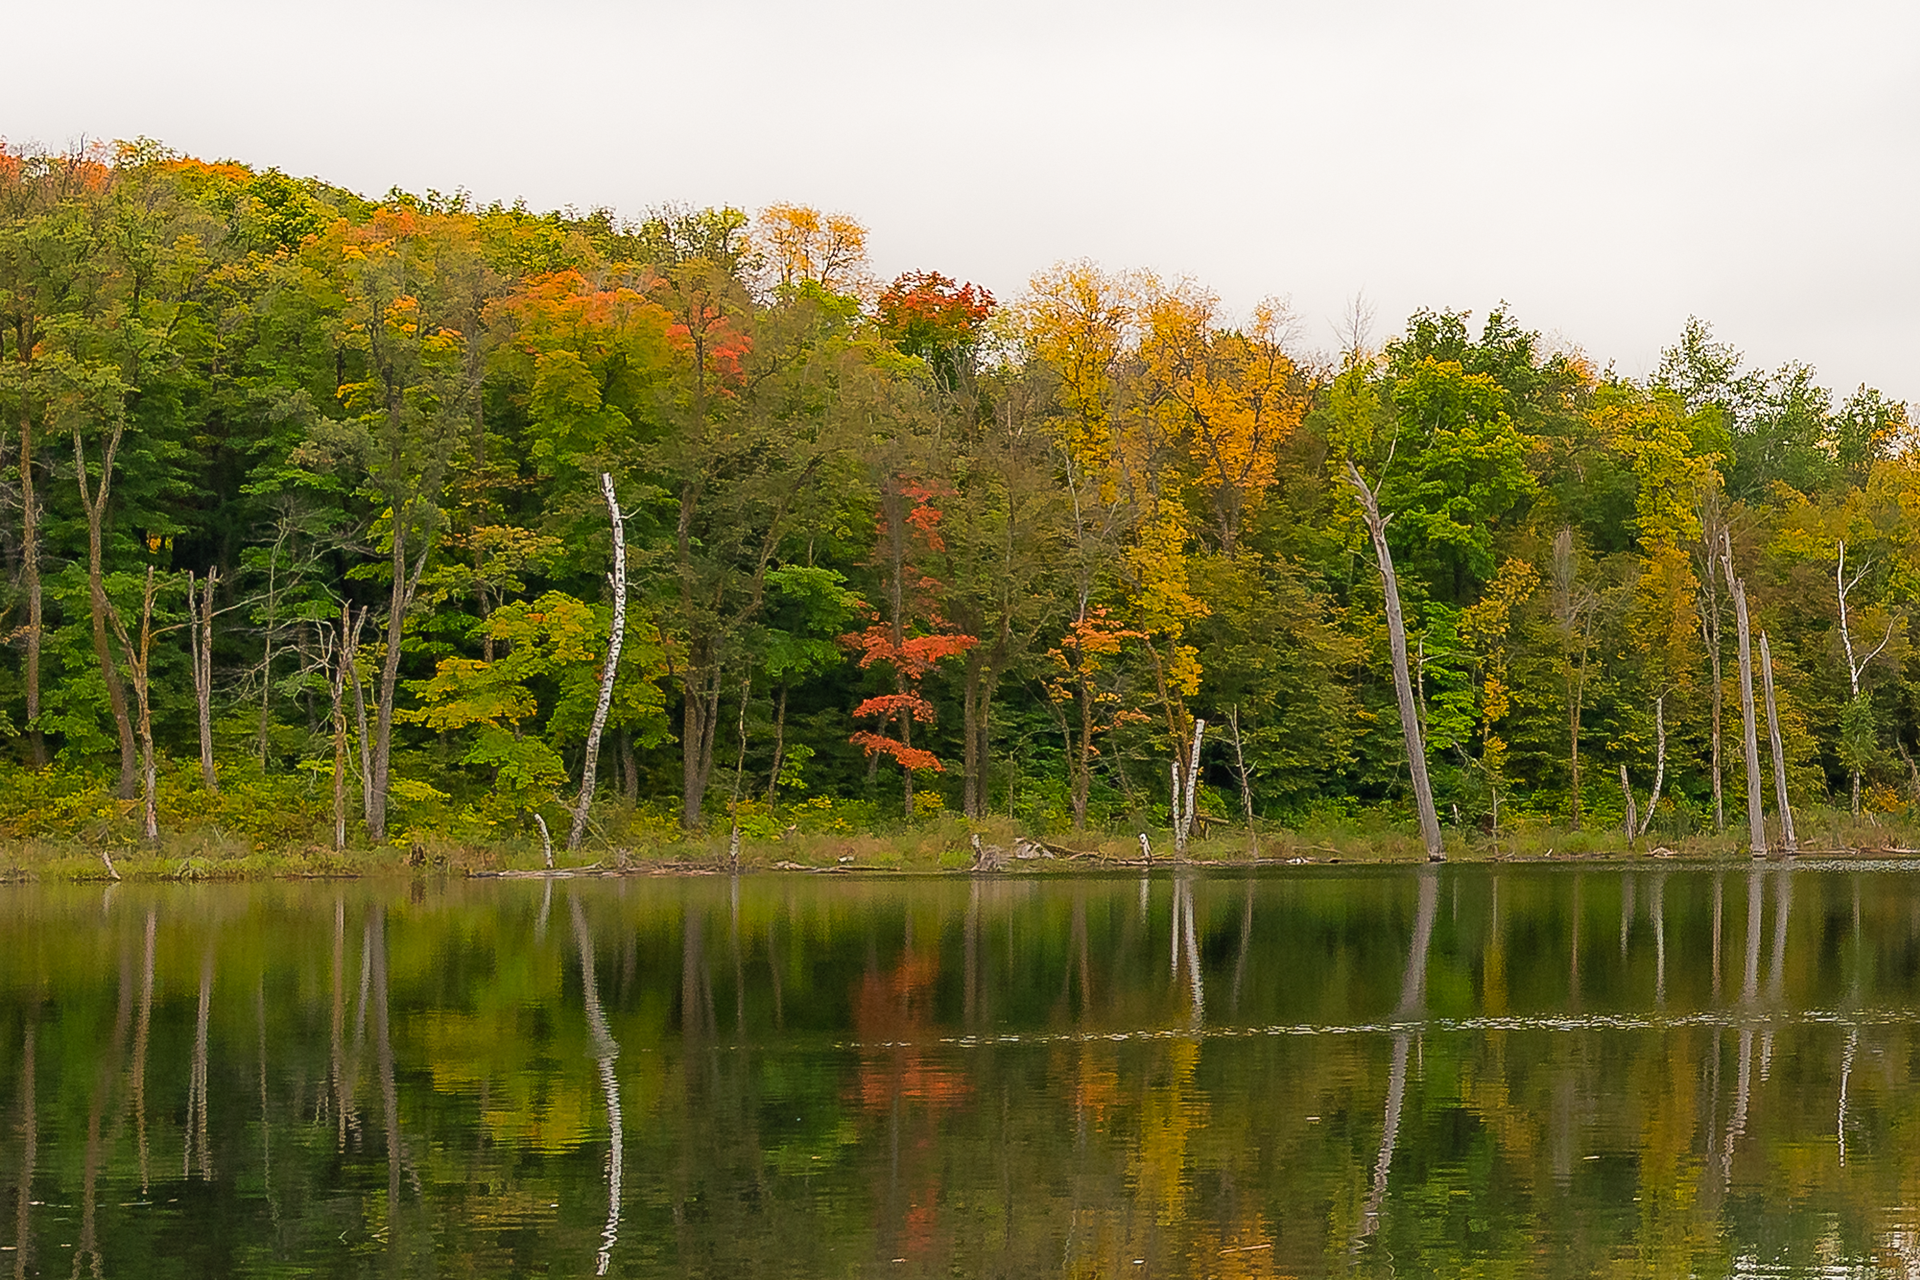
[{"x": 1528, "y": 1071}]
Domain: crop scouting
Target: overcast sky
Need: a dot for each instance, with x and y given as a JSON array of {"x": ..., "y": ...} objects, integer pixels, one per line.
[{"x": 1608, "y": 169}]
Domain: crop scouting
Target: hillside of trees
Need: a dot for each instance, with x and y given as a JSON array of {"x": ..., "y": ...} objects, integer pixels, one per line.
[{"x": 304, "y": 536}]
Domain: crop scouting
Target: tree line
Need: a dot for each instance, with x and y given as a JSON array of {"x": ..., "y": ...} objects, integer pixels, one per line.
[{"x": 310, "y": 506}]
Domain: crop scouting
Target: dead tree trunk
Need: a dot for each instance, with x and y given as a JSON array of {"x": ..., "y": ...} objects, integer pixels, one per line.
[
  {"x": 1402, "y": 680},
  {"x": 200, "y": 632},
  {"x": 1855, "y": 665},
  {"x": 616, "y": 636},
  {"x": 1756, "y": 815},
  {"x": 1632, "y": 823},
  {"x": 1789, "y": 841}
]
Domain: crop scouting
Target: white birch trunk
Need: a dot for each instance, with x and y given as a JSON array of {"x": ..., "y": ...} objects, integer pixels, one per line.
[
  {"x": 1789, "y": 841},
  {"x": 616, "y": 634},
  {"x": 1402, "y": 680}
]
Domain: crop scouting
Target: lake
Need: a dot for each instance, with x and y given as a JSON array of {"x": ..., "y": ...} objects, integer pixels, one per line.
[{"x": 1518, "y": 1070}]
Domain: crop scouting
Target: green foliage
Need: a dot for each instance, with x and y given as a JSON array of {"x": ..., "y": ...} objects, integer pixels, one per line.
[{"x": 390, "y": 418}]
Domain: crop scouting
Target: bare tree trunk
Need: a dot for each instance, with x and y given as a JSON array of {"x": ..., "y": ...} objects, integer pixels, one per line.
[
  {"x": 1246, "y": 781},
  {"x": 93, "y": 498},
  {"x": 1632, "y": 824},
  {"x": 1402, "y": 681},
  {"x": 1789, "y": 841},
  {"x": 1855, "y": 665},
  {"x": 200, "y": 633},
  {"x": 1659, "y": 760},
  {"x": 1756, "y": 815},
  {"x": 616, "y": 636}
]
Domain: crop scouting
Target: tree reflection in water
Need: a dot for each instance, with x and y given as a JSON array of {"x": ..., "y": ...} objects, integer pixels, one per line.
[{"x": 986, "y": 1076}]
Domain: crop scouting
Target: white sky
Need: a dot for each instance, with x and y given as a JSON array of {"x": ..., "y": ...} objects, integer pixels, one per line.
[{"x": 1608, "y": 168}]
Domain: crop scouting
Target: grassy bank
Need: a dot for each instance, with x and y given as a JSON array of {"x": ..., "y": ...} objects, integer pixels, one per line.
[{"x": 939, "y": 843}]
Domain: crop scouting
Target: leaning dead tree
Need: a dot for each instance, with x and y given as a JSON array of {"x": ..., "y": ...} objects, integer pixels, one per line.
[
  {"x": 616, "y": 634},
  {"x": 1750, "y": 742},
  {"x": 1789, "y": 842},
  {"x": 1402, "y": 680},
  {"x": 1843, "y": 587}
]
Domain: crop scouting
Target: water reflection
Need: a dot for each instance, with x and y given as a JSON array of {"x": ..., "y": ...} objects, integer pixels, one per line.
[{"x": 1436, "y": 1070}]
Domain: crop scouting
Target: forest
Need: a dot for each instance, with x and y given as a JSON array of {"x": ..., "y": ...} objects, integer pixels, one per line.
[{"x": 343, "y": 522}]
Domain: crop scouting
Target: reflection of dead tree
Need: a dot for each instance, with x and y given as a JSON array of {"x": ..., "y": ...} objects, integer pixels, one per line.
[
  {"x": 1846, "y": 1075},
  {"x": 1413, "y": 985},
  {"x": 389, "y": 1094},
  {"x": 605, "y": 1050},
  {"x": 1413, "y": 999},
  {"x": 1184, "y": 946},
  {"x": 336, "y": 1060},
  {"x": 138, "y": 1067},
  {"x": 1776, "y": 968},
  {"x": 1246, "y": 945},
  {"x": 1750, "y": 985},
  {"x": 197, "y": 1081},
  {"x": 1657, "y": 908},
  {"x": 266, "y": 1123},
  {"x": 89, "y": 1244},
  {"x": 1737, "y": 1123},
  {"x": 1390, "y": 1131},
  {"x": 29, "y": 1150}
]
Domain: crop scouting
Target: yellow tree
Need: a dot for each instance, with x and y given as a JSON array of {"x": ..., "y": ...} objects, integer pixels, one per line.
[
  {"x": 804, "y": 246},
  {"x": 1652, "y": 431}
]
